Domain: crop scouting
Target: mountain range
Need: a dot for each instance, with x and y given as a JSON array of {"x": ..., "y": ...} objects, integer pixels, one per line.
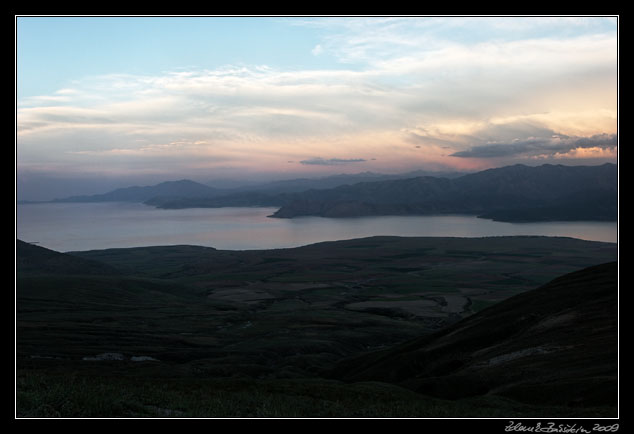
[
  {"x": 169, "y": 189},
  {"x": 512, "y": 193},
  {"x": 333, "y": 181}
]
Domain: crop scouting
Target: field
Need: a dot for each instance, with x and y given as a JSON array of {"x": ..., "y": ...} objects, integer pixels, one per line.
[
  {"x": 138, "y": 392},
  {"x": 191, "y": 331}
]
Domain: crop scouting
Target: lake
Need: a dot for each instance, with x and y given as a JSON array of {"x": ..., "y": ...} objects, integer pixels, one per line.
[{"x": 87, "y": 226}]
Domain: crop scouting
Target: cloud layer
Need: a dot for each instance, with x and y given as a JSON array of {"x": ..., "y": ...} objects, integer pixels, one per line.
[
  {"x": 409, "y": 92},
  {"x": 554, "y": 146},
  {"x": 318, "y": 161}
]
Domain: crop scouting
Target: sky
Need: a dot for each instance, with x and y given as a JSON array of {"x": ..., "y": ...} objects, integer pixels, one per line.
[{"x": 106, "y": 101}]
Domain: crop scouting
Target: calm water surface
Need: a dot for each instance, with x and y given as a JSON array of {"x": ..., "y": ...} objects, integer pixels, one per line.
[{"x": 86, "y": 226}]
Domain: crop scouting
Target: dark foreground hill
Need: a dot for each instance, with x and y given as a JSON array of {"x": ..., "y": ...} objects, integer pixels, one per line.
[
  {"x": 32, "y": 259},
  {"x": 554, "y": 345}
]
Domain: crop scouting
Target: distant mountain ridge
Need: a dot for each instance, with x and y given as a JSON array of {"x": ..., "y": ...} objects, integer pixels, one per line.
[
  {"x": 509, "y": 193},
  {"x": 333, "y": 181},
  {"x": 181, "y": 188},
  {"x": 260, "y": 194},
  {"x": 516, "y": 193}
]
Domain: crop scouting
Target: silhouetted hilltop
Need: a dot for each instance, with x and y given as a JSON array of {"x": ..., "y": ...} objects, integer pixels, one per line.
[{"x": 32, "y": 259}]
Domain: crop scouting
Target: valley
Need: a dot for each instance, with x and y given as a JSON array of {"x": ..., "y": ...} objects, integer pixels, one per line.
[{"x": 267, "y": 318}]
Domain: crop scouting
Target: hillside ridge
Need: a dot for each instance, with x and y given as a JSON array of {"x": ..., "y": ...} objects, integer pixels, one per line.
[{"x": 557, "y": 343}]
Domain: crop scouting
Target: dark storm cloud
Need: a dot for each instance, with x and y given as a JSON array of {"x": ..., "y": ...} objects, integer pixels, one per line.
[
  {"x": 599, "y": 140},
  {"x": 494, "y": 150},
  {"x": 537, "y": 146},
  {"x": 331, "y": 161}
]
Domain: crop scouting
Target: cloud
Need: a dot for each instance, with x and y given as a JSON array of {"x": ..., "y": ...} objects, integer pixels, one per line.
[
  {"x": 318, "y": 161},
  {"x": 401, "y": 82},
  {"x": 432, "y": 41},
  {"x": 555, "y": 146},
  {"x": 595, "y": 152}
]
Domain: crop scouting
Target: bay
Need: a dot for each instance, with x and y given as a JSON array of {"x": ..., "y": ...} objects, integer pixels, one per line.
[{"x": 87, "y": 226}]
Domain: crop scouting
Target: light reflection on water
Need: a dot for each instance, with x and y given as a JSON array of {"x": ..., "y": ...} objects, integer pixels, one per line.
[{"x": 86, "y": 226}]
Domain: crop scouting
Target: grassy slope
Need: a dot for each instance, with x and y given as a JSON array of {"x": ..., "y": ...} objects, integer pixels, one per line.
[
  {"x": 50, "y": 394},
  {"x": 555, "y": 344},
  {"x": 32, "y": 259}
]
